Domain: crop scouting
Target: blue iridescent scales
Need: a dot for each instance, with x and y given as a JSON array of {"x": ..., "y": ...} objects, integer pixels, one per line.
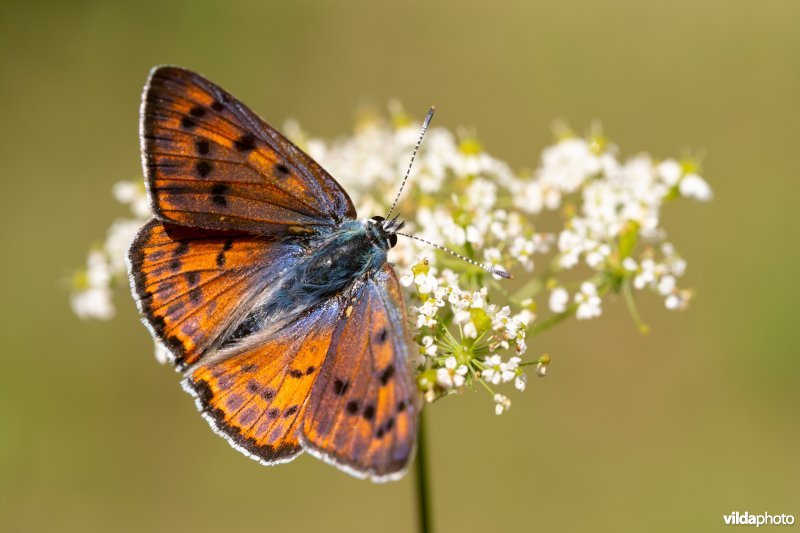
[{"x": 275, "y": 302}]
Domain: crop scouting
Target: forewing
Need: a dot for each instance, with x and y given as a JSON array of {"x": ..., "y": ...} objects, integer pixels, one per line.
[
  {"x": 191, "y": 284},
  {"x": 210, "y": 162},
  {"x": 364, "y": 407},
  {"x": 257, "y": 395}
]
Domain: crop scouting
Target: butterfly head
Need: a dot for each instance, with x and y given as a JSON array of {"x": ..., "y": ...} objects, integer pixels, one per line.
[{"x": 384, "y": 232}]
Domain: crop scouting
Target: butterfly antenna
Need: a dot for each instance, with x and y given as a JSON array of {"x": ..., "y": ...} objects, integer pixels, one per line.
[
  {"x": 425, "y": 124},
  {"x": 490, "y": 270}
]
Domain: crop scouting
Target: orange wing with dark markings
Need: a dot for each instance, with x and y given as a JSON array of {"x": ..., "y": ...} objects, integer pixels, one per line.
[
  {"x": 363, "y": 411},
  {"x": 211, "y": 163},
  {"x": 192, "y": 284},
  {"x": 257, "y": 395}
]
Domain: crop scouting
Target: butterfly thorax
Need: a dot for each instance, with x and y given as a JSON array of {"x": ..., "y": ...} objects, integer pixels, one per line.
[
  {"x": 333, "y": 264},
  {"x": 336, "y": 260}
]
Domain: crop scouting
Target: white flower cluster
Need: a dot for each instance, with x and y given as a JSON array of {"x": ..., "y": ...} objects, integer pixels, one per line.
[
  {"x": 92, "y": 287},
  {"x": 610, "y": 206},
  {"x": 472, "y": 328},
  {"x": 484, "y": 331}
]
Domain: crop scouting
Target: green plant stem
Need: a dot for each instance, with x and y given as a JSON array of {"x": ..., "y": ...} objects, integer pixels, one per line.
[
  {"x": 552, "y": 320},
  {"x": 422, "y": 479},
  {"x": 630, "y": 300}
]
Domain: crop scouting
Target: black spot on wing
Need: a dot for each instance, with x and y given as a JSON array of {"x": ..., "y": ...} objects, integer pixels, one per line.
[
  {"x": 340, "y": 387},
  {"x": 188, "y": 123},
  {"x": 386, "y": 375},
  {"x": 203, "y": 147},
  {"x": 218, "y": 192},
  {"x": 295, "y": 373},
  {"x": 195, "y": 295},
  {"x": 369, "y": 412},
  {"x": 181, "y": 249},
  {"x": 245, "y": 143},
  {"x": 282, "y": 170},
  {"x": 385, "y": 428},
  {"x": 381, "y": 336},
  {"x": 203, "y": 168},
  {"x": 217, "y": 106},
  {"x": 197, "y": 111},
  {"x": 175, "y": 308},
  {"x": 352, "y": 407}
]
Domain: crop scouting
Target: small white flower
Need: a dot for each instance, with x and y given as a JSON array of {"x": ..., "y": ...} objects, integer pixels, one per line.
[
  {"x": 525, "y": 317},
  {"x": 670, "y": 171},
  {"x": 559, "y": 298},
  {"x": 521, "y": 381},
  {"x": 541, "y": 370},
  {"x": 666, "y": 285},
  {"x": 678, "y": 300},
  {"x": 478, "y": 298},
  {"x": 588, "y": 302},
  {"x": 98, "y": 271},
  {"x": 509, "y": 369},
  {"x": 493, "y": 373},
  {"x": 426, "y": 314},
  {"x": 693, "y": 186},
  {"x": 93, "y": 302},
  {"x": 134, "y": 195},
  {"x": 501, "y": 404},
  {"x": 119, "y": 238},
  {"x": 647, "y": 274},
  {"x": 452, "y": 375},
  {"x": 672, "y": 302},
  {"x": 429, "y": 347},
  {"x": 629, "y": 264}
]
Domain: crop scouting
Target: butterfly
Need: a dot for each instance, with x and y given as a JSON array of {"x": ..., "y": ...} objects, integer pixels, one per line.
[{"x": 276, "y": 303}]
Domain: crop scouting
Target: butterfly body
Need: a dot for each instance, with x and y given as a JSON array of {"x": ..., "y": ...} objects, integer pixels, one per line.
[
  {"x": 332, "y": 264},
  {"x": 273, "y": 299}
]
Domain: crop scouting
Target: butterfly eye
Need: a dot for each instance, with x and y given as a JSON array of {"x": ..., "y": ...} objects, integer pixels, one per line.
[
  {"x": 392, "y": 240},
  {"x": 378, "y": 219}
]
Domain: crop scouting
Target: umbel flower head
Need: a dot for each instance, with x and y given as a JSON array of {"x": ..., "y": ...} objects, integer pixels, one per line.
[{"x": 472, "y": 330}]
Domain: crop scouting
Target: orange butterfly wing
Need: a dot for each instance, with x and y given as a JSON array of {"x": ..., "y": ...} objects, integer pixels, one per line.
[
  {"x": 210, "y": 162},
  {"x": 191, "y": 285},
  {"x": 363, "y": 411},
  {"x": 256, "y": 395}
]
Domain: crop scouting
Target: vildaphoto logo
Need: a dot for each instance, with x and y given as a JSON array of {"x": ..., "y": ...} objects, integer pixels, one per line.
[{"x": 765, "y": 519}]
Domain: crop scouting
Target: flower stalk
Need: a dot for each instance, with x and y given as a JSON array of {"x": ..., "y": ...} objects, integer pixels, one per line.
[{"x": 422, "y": 479}]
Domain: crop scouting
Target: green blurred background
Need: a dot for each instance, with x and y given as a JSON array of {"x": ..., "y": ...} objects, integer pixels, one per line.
[{"x": 665, "y": 432}]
